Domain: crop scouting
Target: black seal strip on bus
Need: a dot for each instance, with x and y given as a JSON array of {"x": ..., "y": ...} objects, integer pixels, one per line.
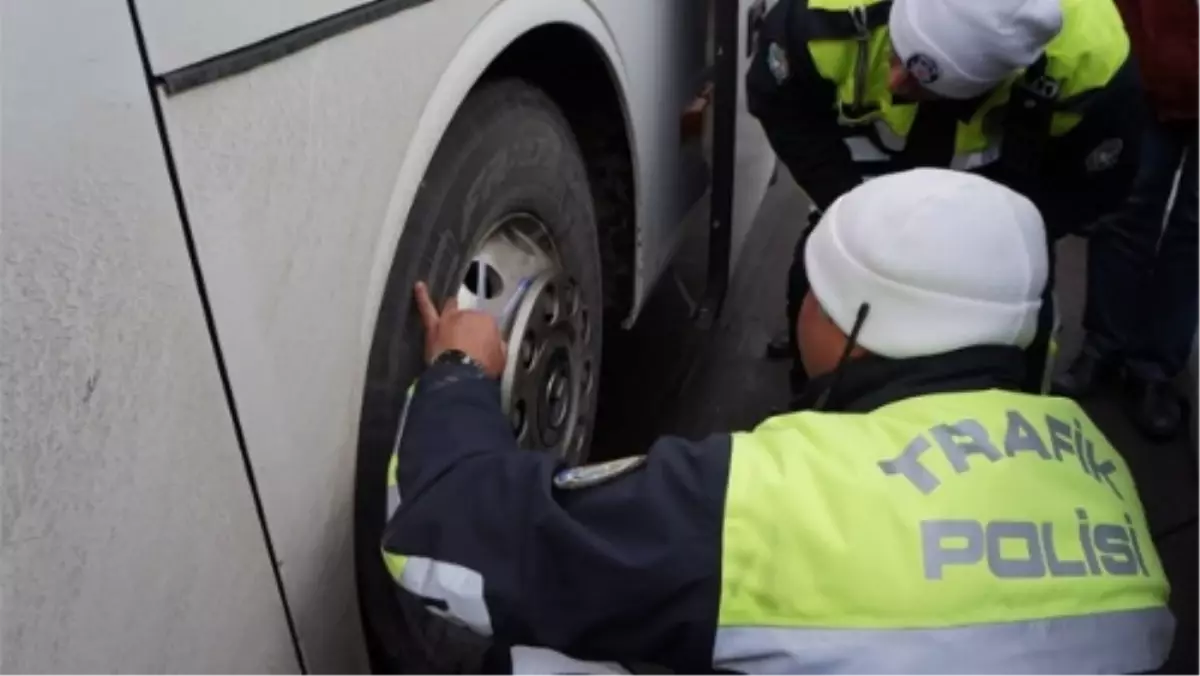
[
  {"x": 726, "y": 22},
  {"x": 279, "y": 46}
]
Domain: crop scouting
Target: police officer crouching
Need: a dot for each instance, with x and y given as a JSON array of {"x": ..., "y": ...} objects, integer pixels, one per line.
[
  {"x": 1040, "y": 95},
  {"x": 929, "y": 516}
]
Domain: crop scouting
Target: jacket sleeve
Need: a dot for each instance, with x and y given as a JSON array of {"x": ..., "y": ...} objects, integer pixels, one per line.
[
  {"x": 624, "y": 569},
  {"x": 1163, "y": 33},
  {"x": 797, "y": 108},
  {"x": 1089, "y": 171}
]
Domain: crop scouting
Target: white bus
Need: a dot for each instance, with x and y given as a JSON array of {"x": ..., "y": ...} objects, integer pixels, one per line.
[{"x": 213, "y": 213}]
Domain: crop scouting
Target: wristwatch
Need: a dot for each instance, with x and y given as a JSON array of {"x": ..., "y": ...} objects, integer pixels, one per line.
[{"x": 456, "y": 357}]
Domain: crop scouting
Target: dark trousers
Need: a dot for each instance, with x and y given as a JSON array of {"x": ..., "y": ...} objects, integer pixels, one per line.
[
  {"x": 797, "y": 288},
  {"x": 1142, "y": 293},
  {"x": 1036, "y": 354}
]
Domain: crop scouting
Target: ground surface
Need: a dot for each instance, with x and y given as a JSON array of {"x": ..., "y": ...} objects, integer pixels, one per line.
[{"x": 666, "y": 376}]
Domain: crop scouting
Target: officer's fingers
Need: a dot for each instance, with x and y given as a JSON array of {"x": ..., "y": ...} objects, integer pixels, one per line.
[
  {"x": 429, "y": 313},
  {"x": 451, "y": 305}
]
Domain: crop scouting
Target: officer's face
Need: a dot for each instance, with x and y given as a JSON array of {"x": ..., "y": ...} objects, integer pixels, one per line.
[
  {"x": 903, "y": 84},
  {"x": 820, "y": 341}
]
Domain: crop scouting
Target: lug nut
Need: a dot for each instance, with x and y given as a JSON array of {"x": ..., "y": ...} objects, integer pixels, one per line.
[
  {"x": 517, "y": 418},
  {"x": 527, "y": 350}
]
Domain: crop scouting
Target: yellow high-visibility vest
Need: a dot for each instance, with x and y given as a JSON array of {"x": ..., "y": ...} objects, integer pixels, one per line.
[{"x": 937, "y": 533}]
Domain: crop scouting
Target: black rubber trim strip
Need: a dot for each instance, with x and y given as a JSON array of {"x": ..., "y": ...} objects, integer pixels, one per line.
[
  {"x": 726, "y": 31},
  {"x": 210, "y": 323},
  {"x": 278, "y": 46}
]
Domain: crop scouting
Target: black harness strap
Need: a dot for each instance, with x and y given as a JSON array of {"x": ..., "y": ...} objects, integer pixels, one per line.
[
  {"x": 930, "y": 141},
  {"x": 857, "y": 23},
  {"x": 1027, "y": 119}
]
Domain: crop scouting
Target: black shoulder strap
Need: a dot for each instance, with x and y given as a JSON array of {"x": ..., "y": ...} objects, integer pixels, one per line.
[
  {"x": 1027, "y": 119},
  {"x": 855, "y": 23}
]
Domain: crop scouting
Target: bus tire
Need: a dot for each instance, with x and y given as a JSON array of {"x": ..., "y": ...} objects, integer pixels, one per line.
[{"x": 508, "y": 150}]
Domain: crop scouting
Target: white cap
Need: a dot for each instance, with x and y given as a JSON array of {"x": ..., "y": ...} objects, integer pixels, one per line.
[
  {"x": 959, "y": 49},
  {"x": 945, "y": 259}
]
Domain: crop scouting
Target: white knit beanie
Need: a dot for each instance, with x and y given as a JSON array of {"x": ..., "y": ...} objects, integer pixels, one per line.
[
  {"x": 962, "y": 48},
  {"x": 945, "y": 259}
]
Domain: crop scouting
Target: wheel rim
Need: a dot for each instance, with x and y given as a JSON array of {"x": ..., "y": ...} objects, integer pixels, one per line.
[{"x": 516, "y": 275}]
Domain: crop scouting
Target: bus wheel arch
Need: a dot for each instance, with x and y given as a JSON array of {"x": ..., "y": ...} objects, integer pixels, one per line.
[{"x": 567, "y": 63}]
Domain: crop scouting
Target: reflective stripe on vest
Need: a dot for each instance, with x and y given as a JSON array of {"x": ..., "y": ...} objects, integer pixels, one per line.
[
  {"x": 393, "y": 490},
  {"x": 1085, "y": 55},
  {"x": 534, "y": 660},
  {"x": 1144, "y": 637},
  {"x": 987, "y": 511},
  {"x": 456, "y": 591},
  {"x": 894, "y": 143}
]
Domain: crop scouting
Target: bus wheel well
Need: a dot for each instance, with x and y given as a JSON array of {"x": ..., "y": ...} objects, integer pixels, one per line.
[{"x": 565, "y": 63}]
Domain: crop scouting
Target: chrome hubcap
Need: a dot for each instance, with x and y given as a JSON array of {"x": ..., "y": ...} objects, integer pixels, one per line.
[{"x": 516, "y": 276}]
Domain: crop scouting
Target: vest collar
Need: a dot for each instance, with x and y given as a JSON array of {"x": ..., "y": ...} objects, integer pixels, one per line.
[{"x": 867, "y": 383}]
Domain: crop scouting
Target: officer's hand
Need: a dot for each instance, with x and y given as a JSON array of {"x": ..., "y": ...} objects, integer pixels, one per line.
[{"x": 473, "y": 332}]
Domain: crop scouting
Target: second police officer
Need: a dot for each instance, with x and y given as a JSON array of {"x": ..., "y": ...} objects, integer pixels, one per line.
[{"x": 1039, "y": 95}]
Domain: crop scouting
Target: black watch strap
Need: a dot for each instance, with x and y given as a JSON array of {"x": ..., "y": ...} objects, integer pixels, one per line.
[{"x": 456, "y": 357}]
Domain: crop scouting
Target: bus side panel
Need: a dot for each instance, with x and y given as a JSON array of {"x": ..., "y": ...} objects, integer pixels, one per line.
[
  {"x": 289, "y": 172},
  {"x": 182, "y": 32},
  {"x": 130, "y": 541}
]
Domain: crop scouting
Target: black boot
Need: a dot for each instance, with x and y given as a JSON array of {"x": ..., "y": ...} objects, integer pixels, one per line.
[
  {"x": 1084, "y": 375},
  {"x": 797, "y": 378},
  {"x": 1155, "y": 408}
]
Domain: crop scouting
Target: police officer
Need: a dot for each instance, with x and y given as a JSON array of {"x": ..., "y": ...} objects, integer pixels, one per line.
[
  {"x": 1040, "y": 95},
  {"x": 931, "y": 516}
]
